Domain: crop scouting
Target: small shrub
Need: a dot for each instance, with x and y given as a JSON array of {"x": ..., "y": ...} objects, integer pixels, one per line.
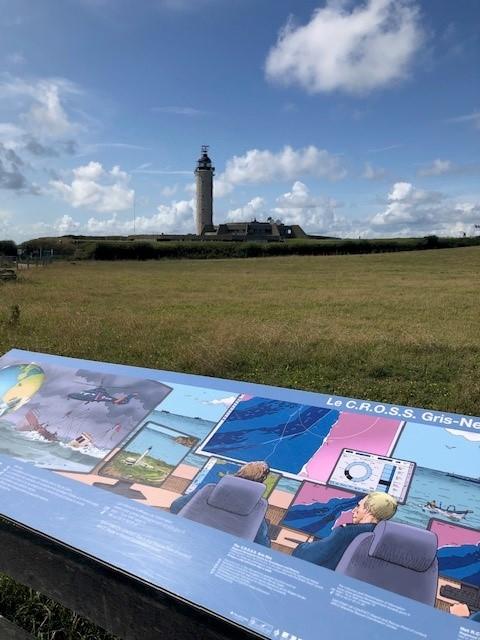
[{"x": 14, "y": 315}]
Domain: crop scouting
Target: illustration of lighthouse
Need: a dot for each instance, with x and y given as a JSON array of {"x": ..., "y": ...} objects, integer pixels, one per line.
[
  {"x": 145, "y": 453},
  {"x": 204, "y": 173}
]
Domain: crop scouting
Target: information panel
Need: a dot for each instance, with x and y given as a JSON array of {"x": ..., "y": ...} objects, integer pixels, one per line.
[{"x": 288, "y": 513}]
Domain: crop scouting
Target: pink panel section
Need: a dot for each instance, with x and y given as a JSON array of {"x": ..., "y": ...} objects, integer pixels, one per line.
[
  {"x": 351, "y": 431},
  {"x": 451, "y": 535},
  {"x": 317, "y": 493},
  {"x": 344, "y": 518}
]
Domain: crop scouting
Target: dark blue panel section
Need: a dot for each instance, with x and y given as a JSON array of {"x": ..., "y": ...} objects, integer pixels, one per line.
[
  {"x": 284, "y": 434},
  {"x": 318, "y": 518},
  {"x": 460, "y": 563}
]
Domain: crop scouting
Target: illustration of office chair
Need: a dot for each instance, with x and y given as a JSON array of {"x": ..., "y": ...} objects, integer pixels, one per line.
[
  {"x": 234, "y": 505},
  {"x": 396, "y": 557}
]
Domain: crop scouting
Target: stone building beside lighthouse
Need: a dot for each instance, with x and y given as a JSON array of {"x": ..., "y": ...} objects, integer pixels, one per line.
[
  {"x": 269, "y": 231},
  {"x": 204, "y": 173}
]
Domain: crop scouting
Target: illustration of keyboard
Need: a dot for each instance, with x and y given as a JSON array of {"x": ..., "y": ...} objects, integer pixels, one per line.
[{"x": 467, "y": 595}]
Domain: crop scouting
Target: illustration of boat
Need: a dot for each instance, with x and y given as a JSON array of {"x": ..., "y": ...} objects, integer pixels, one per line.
[
  {"x": 466, "y": 478},
  {"x": 83, "y": 440},
  {"x": 450, "y": 512},
  {"x": 32, "y": 424}
]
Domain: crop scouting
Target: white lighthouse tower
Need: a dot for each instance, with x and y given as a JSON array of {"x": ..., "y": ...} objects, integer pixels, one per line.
[{"x": 204, "y": 173}]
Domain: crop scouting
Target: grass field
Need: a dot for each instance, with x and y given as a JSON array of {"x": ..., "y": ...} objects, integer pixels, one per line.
[
  {"x": 150, "y": 471},
  {"x": 400, "y": 327}
]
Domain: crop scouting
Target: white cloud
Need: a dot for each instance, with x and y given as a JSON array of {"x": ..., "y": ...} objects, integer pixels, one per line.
[
  {"x": 66, "y": 224},
  {"x": 407, "y": 205},
  {"x": 221, "y": 187},
  {"x": 163, "y": 172},
  {"x": 181, "y": 4},
  {"x": 176, "y": 217},
  {"x": 90, "y": 171},
  {"x": 468, "y": 435},
  {"x": 225, "y": 401},
  {"x": 354, "y": 50},
  {"x": 373, "y": 173},
  {"x": 5, "y": 217},
  {"x": 314, "y": 214},
  {"x": 473, "y": 117},
  {"x": 437, "y": 168},
  {"x": 95, "y": 188},
  {"x": 42, "y": 127},
  {"x": 16, "y": 58},
  {"x": 179, "y": 111},
  {"x": 89, "y": 149},
  {"x": 410, "y": 211},
  {"x": 261, "y": 166},
  {"x": 109, "y": 226},
  {"x": 10, "y": 134},
  {"x": 249, "y": 211},
  {"x": 169, "y": 191},
  {"x": 171, "y": 5},
  {"x": 387, "y": 148},
  {"x": 43, "y": 105}
]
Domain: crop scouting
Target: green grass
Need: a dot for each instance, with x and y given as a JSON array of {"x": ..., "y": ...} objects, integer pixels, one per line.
[
  {"x": 399, "y": 327},
  {"x": 150, "y": 470},
  {"x": 44, "y": 618},
  {"x": 269, "y": 482}
]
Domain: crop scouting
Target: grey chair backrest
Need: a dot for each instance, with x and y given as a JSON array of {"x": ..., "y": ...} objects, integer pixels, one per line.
[
  {"x": 396, "y": 557},
  {"x": 234, "y": 505}
]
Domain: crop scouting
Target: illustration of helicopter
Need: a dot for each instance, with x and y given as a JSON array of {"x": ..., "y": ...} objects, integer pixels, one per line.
[{"x": 101, "y": 394}]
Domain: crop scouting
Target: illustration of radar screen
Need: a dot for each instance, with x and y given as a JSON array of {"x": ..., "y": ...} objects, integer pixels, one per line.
[{"x": 363, "y": 472}]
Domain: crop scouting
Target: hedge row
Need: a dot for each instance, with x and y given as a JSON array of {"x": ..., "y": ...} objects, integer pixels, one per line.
[
  {"x": 63, "y": 246},
  {"x": 150, "y": 250},
  {"x": 8, "y": 248},
  {"x": 144, "y": 250}
]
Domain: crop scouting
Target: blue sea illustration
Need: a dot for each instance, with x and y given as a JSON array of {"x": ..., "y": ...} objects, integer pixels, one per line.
[
  {"x": 318, "y": 517},
  {"x": 284, "y": 434},
  {"x": 197, "y": 427},
  {"x": 162, "y": 443},
  {"x": 288, "y": 485},
  {"x": 460, "y": 563},
  {"x": 428, "y": 485}
]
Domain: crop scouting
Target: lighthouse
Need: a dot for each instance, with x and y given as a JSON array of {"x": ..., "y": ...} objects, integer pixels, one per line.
[{"x": 204, "y": 173}]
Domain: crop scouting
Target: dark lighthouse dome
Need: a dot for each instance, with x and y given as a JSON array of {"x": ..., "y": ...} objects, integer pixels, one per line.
[{"x": 204, "y": 161}]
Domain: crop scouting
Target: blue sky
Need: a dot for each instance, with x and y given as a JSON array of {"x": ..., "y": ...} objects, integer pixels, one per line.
[
  {"x": 351, "y": 118},
  {"x": 196, "y": 402},
  {"x": 162, "y": 442},
  {"x": 448, "y": 450}
]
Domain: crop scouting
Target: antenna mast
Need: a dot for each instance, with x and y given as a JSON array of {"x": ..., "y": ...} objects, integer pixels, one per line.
[{"x": 134, "y": 204}]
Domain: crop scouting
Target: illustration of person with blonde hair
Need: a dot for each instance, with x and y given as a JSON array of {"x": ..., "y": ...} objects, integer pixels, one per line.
[{"x": 328, "y": 552}]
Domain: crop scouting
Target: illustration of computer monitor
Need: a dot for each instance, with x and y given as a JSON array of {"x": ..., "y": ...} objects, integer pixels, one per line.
[
  {"x": 459, "y": 561},
  {"x": 363, "y": 472}
]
